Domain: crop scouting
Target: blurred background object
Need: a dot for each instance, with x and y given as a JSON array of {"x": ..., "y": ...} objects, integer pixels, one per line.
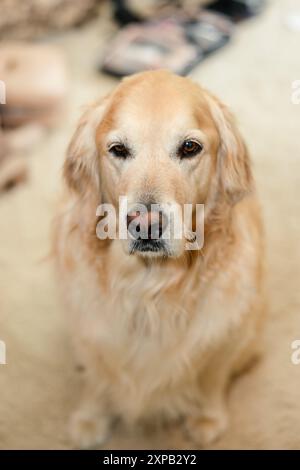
[
  {"x": 238, "y": 9},
  {"x": 35, "y": 79},
  {"x": 35, "y": 91},
  {"x": 177, "y": 42},
  {"x": 176, "y": 35},
  {"x": 126, "y": 11},
  {"x": 35, "y": 18},
  {"x": 13, "y": 168}
]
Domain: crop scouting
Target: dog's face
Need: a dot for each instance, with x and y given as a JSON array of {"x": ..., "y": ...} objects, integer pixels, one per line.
[{"x": 163, "y": 142}]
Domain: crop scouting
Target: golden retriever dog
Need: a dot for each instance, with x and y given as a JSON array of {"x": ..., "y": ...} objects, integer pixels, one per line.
[{"x": 159, "y": 329}]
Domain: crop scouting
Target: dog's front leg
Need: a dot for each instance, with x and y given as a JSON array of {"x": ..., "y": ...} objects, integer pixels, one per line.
[
  {"x": 91, "y": 423},
  {"x": 211, "y": 421}
]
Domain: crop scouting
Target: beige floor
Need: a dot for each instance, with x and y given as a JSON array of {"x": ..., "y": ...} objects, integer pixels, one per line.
[{"x": 38, "y": 385}]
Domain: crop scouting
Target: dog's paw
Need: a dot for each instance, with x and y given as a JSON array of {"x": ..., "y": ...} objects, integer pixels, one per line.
[
  {"x": 206, "y": 429},
  {"x": 88, "y": 431}
]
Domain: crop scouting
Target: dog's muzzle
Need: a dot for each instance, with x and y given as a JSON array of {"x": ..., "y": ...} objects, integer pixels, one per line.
[{"x": 146, "y": 231}]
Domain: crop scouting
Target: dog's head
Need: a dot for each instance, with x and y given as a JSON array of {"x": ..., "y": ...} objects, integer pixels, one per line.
[{"x": 163, "y": 142}]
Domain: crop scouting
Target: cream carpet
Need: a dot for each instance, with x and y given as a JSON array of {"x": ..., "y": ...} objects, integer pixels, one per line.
[{"x": 39, "y": 384}]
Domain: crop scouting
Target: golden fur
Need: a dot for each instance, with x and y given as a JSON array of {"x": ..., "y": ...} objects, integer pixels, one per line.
[{"x": 160, "y": 337}]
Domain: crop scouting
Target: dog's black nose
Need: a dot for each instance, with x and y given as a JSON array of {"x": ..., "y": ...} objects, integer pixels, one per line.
[{"x": 146, "y": 225}]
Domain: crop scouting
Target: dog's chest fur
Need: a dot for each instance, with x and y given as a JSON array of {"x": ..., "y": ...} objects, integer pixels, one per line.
[{"x": 149, "y": 339}]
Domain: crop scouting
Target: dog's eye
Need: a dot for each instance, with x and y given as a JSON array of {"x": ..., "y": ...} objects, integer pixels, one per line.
[
  {"x": 189, "y": 148},
  {"x": 119, "y": 150}
]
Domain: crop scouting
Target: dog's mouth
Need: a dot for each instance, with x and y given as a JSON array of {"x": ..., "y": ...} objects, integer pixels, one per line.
[{"x": 154, "y": 247}]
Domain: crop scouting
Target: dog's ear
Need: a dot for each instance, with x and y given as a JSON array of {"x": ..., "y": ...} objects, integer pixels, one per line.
[
  {"x": 233, "y": 158},
  {"x": 81, "y": 167}
]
